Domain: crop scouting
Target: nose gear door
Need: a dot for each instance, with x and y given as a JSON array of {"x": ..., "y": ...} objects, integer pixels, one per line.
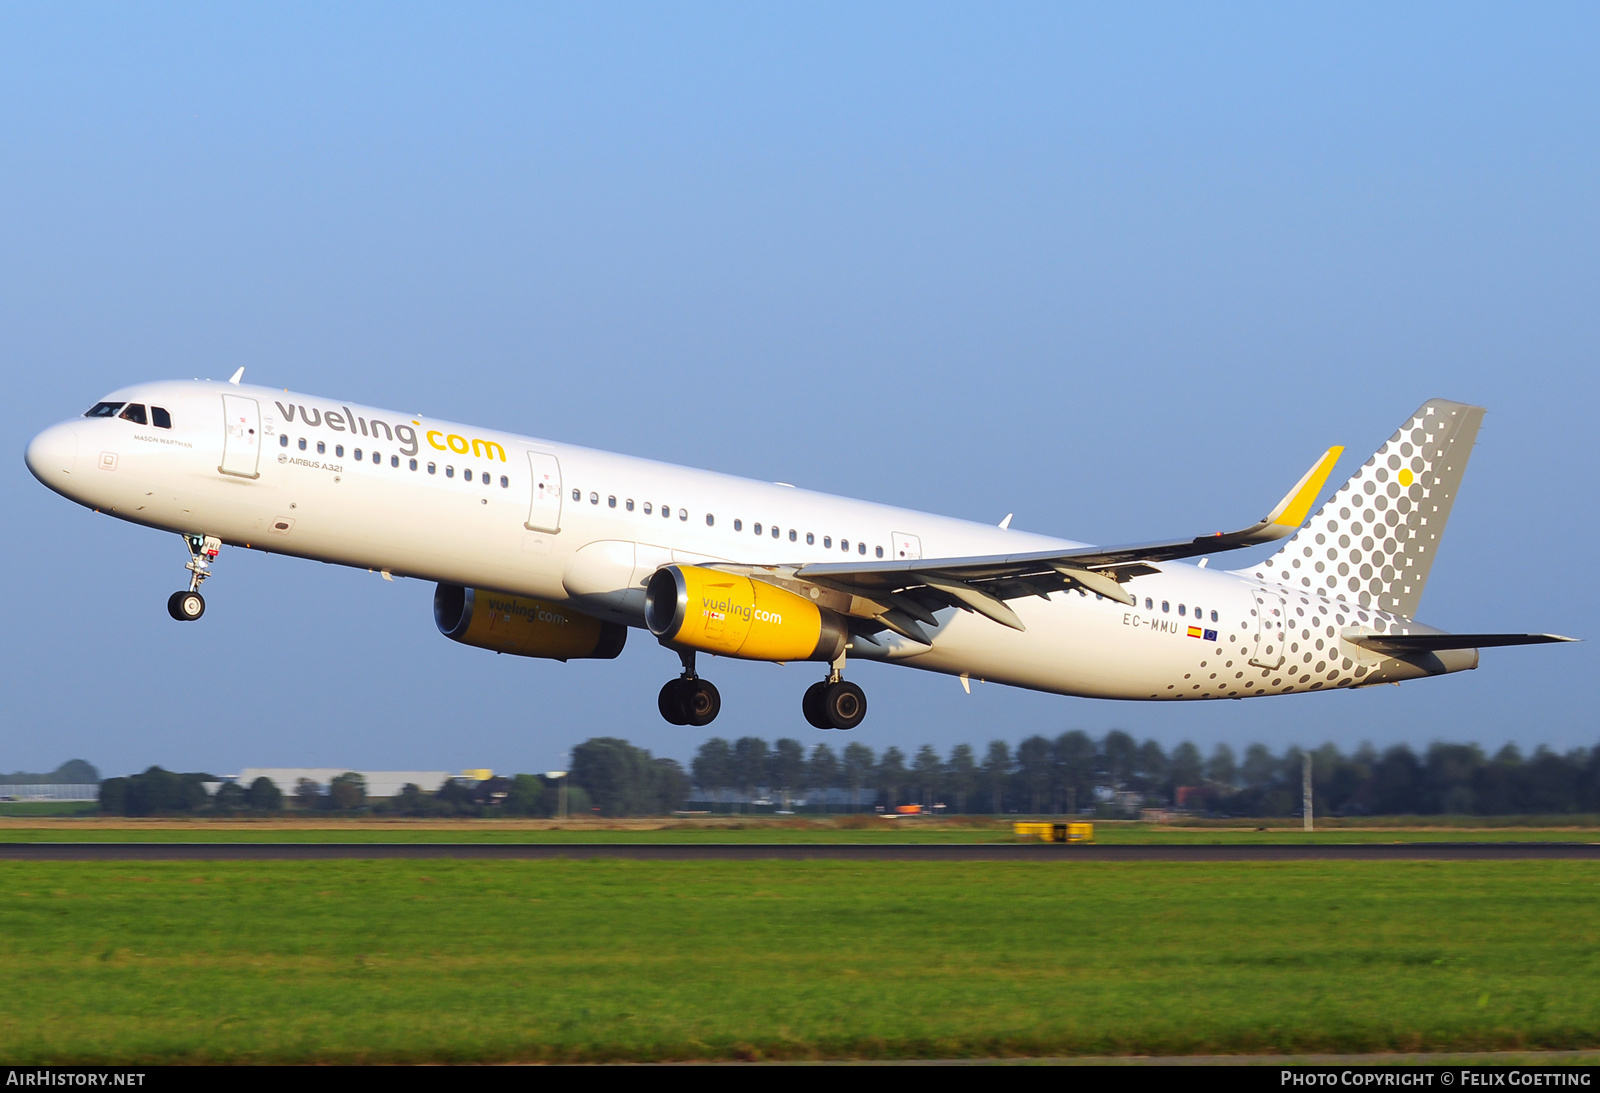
[
  {"x": 1270, "y": 608},
  {"x": 241, "y": 437},
  {"x": 544, "y": 511}
]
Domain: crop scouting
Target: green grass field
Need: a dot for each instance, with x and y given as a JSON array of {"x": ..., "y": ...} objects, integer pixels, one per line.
[
  {"x": 445, "y": 960},
  {"x": 859, "y": 829}
]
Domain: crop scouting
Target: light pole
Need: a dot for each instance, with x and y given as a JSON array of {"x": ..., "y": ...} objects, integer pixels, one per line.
[{"x": 560, "y": 777}]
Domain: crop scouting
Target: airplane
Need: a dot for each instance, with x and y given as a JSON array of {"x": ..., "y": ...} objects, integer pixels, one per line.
[{"x": 550, "y": 550}]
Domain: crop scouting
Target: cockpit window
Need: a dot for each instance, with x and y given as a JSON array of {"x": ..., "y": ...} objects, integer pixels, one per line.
[
  {"x": 163, "y": 420},
  {"x": 134, "y": 413},
  {"x": 103, "y": 409}
]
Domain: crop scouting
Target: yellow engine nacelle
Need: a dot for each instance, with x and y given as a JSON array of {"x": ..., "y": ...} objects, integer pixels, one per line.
[
  {"x": 734, "y": 616},
  {"x": 523, "y": 627}
]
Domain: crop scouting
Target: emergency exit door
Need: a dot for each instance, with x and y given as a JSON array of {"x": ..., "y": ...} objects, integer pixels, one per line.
[{"x": 544, "y": 510}]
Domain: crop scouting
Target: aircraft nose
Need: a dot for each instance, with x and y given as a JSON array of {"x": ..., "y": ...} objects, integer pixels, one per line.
[{"x": 53, "y": 455}]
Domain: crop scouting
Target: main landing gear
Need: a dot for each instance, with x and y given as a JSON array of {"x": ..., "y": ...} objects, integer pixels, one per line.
[
  {"x": 834, "y": 703},
  {"x": 689, "y": 700},
  {"x": 190, "y": 605}
]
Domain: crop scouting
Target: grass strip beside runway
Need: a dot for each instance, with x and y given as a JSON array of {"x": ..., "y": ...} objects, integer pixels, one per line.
[
  {"x": 862, "y": 829},
  {"x": 450, "y": 960}
]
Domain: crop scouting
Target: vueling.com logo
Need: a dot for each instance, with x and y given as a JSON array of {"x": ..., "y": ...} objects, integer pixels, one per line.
[
  {"x": 530, "y": 612},
  {"x": 719, "y": 609}
]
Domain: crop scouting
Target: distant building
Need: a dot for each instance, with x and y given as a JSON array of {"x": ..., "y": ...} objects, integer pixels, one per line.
[
  {"x": 380, "y": 783},
  {"x": 50, "y": 791}
]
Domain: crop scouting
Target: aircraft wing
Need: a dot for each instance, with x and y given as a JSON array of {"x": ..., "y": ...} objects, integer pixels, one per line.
[{"x": 902, "y": 594}]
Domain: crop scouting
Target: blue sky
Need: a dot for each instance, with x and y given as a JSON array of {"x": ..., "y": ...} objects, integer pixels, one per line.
[{"x": 1123, "y": 271}]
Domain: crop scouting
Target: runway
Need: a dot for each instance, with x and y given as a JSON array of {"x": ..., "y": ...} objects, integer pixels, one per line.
[{"x": 901, "y": 852}]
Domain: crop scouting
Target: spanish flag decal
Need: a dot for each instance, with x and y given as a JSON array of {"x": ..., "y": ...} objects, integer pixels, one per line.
[{"x": 1195, "y": 632}]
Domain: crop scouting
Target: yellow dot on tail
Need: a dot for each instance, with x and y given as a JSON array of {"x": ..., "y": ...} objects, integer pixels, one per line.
[{"x": 1405, "y": 476}]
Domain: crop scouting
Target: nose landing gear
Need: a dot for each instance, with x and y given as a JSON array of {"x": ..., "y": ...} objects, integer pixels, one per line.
[
  {"x": 203, "y": 550},
  {"x": 689, "y": 700}
]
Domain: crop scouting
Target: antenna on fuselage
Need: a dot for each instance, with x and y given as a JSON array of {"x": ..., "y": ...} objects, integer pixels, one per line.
[{"x": 236, "y": 377}]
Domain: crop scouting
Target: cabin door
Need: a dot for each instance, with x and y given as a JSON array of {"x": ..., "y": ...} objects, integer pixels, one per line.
[
  {"x": 1270, "y": 611},
  {"x": 544, "y": 511},
  {"x": 241, "y": 437}
]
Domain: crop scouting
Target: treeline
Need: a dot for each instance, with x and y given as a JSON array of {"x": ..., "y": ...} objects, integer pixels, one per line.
[
  {"x": 1117, "y": 776},
  {"x": 609, "y": 777},
  {"x": 74, "y": 772},
  {"x": 1114, "y": 776}
]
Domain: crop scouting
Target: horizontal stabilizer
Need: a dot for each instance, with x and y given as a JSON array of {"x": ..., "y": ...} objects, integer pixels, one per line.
[{"x": 1408, "y": 644}]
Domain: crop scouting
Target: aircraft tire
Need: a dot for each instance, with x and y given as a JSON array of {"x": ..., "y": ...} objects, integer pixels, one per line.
[
  {"x": 844, "y": 704},
  {"x": 811, "y": 705},
  {"x": 186, "y": 606},
  {"x": 700, "y": 702},
  {"x": 670, "y": 702}
]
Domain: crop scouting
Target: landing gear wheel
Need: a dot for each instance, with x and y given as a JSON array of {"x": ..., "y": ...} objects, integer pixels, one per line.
[
  {"x": 186, "y": 606},
  {"x": 811, "y": 705},
  {"x": 670, "y": 702},
  {"x": 844, "y": 704},
  {"x": 700, "y": 701}
]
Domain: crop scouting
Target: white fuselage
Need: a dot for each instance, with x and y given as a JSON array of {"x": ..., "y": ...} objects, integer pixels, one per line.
[{"x": 338, "y": 482}]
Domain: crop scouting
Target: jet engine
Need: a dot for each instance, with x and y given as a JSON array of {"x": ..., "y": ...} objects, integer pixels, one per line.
[
  {"x": 733, "y": 616},
  {"x": 523, "y": 627}
]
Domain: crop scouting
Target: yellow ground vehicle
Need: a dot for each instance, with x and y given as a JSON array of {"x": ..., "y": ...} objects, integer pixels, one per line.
[{"x": 1054, "y": 832}]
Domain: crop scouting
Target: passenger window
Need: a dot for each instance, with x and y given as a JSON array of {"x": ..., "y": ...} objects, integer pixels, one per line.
[
  {"x": 594, "y": 499},
  {"x": 433, "y": 468},
  {"x": 322, "y": 447},
  {"x": 394, "y": 461},
  {"x": 738, "y": 525},
  {"x": 485, "y": 478},
  {"x": 774, "y": 531},
  {"x": 844, "y": 544},
  {"x": 160, "y": 418},
  {"x": 711, "y": 521},
  {"x": 810, "y": 539},
  {"x": 283, "y": 440},
  {"x": 756, "y": 528},
  {"x": 1213, "y": 616},
  {"x": 647, "y": 509},
  {"x": 449, "y": 471},
  {"x": 357, "y": 454},
  {"x": 628, "y": 504},
  {"x": 466, "y": 474},
  {"x": 827, "y": 542},
  {"x": 302, "y": 444},
  {"x": 134, "y": 413},
  {"x": 413, "y": 464},
  {"x": 666, "y": 512},
  {"x": 338, "y": 450},
  {"x": 880, "y": 552},
  {"x": 861, "y": 548},
  {"x": 1182, "y": 610},
  {"x": 683, "y": 514},
  {"x": 505, "y": 483},
  {"x": 377, "y": 458},
  {"x": 577, "y": 495},
  {"x": 103, "y": 409},
  {"x": 1165, "y": 606},
  {"x": 611, "y": 501},
  {"x": 1149, "y": 604},
  {"x": 793, "y": 535}
]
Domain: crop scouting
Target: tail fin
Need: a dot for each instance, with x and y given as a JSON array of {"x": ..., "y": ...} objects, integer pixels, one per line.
[{"x": 1374, "y": 542}]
